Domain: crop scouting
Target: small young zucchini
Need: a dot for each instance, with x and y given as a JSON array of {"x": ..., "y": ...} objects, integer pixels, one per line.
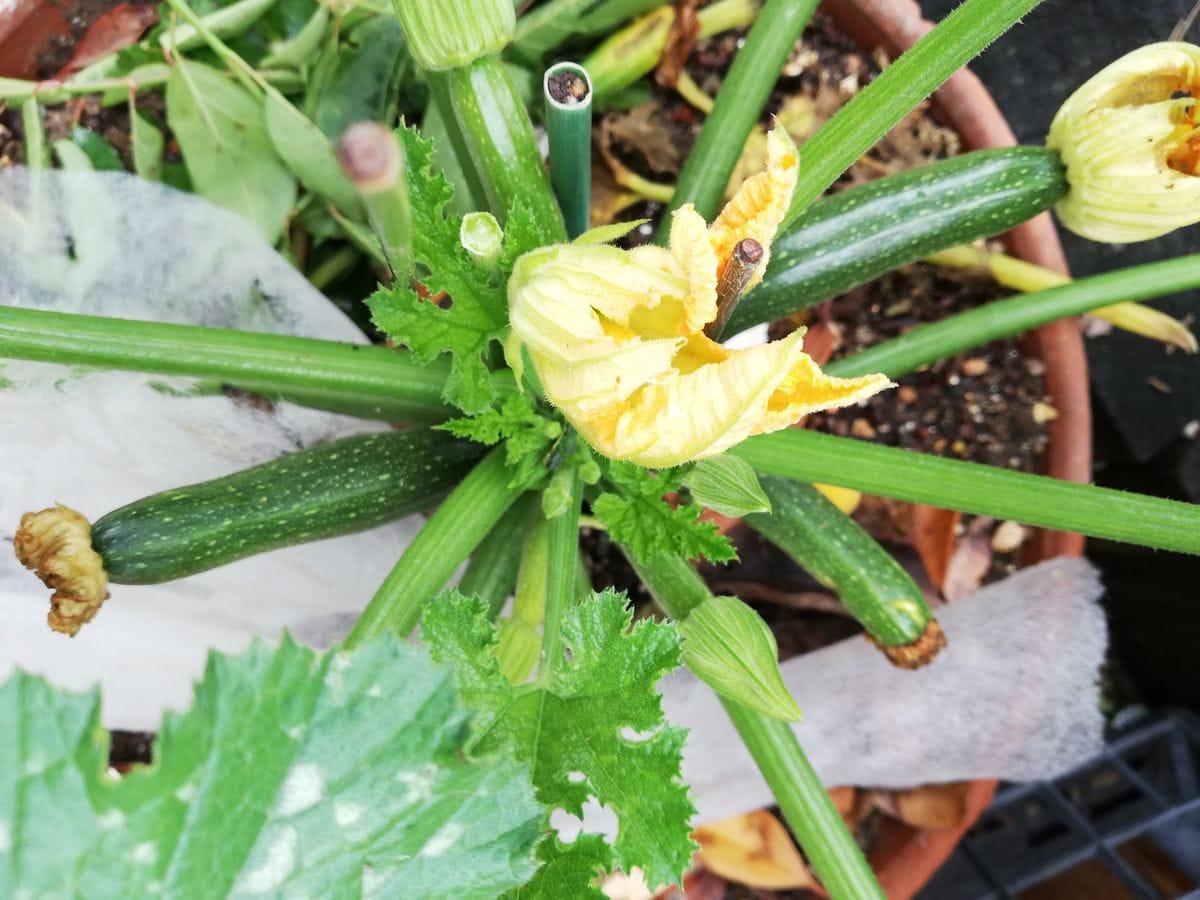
[
  {"x": 836, "y": 551},
  {"x": 849, "y": 238},
  {"x": 346, "y": 485}
]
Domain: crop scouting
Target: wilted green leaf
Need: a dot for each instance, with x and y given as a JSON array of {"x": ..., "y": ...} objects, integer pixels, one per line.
[
  {"x": 222, "y": 132},
  {"x": 731, "y": 649},
  {"x": 147, "y": 143},
  {"x": 295, "y": 774},
  {"x": 309, "y": 154}
]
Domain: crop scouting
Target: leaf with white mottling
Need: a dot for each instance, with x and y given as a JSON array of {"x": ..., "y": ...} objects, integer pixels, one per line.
[{"x": 295, "y": 773}]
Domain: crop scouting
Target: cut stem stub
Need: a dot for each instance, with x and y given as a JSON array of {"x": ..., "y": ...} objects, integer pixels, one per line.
[{"x": 743, "y": 263}]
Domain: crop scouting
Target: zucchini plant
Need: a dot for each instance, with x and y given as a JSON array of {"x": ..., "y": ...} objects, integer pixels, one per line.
[{"x": 597, "y": 378}]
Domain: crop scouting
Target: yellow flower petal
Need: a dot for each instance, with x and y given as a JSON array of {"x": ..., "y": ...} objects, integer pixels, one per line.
[
  {"x": 760, "y": 203},
  {"x": 706, "y": 411},
  {"x": 1130, "y": 139},
  {"x": 617, "y": 337}
]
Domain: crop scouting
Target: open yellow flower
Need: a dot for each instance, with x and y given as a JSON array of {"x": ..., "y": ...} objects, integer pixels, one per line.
[
  {"x": 1130, "y": 138},
  {"x": 617, "y": 336}
]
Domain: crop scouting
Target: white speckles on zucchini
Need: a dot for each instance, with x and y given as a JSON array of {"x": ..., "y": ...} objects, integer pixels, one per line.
[
  {"x": 346, "y": 485},
  {"x": 850, "y": 238}
]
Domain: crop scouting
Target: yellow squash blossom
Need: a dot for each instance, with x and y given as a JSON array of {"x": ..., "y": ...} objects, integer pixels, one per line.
[
  {"x": 1130, "y": 138},
  {"x": 617, "y": 336}
]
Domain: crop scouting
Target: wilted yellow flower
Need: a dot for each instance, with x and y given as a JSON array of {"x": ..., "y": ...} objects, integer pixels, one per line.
[
  {"x": 1131, "y": 143},
  {"x": 617, "y": 336}
]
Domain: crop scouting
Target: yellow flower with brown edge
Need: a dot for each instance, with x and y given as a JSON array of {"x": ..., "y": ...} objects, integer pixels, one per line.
[
  {"x": 1130, "y": 138},
  {"x": 617, "y": 337}
]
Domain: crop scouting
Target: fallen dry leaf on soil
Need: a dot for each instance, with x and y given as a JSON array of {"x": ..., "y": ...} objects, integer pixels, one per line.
[{"x": 753, "y": 849}]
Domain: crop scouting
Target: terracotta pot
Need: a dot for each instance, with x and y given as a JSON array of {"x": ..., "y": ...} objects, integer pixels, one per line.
[{"x": 905, "y": 858}]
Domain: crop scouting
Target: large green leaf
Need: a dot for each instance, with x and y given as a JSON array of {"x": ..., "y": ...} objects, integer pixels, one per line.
[
  {"x": 295, "y": 773},
  {"x": 221, "y": 129},
  {"x": 591, "y": 727}
]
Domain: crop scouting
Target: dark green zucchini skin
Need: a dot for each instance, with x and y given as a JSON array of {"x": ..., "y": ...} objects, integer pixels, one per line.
[
  {"x": 852, "y": 237},
  {"x": 346, "y": 485}
]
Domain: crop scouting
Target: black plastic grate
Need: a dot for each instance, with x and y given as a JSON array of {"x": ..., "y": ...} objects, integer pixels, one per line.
[{"x": 1127, "y": 824}]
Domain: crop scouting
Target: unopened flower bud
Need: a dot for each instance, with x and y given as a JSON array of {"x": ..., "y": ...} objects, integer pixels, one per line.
[{"x": 445, "y": 34}]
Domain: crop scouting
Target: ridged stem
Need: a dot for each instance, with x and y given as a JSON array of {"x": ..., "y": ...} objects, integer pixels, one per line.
[
  {"x": 492, "y": 571},
  {"x": 970, "y": 487},
  {"x": 738, "y": 106},
  {"x": 801, "y": 797},
  {"x": 456, "y": 527},
  {"x": 916, "y": 74},
  {"x": 1003, "y": 318},
  {"x": 359, "y": 379},
  {"x": 561, "y": 572}
]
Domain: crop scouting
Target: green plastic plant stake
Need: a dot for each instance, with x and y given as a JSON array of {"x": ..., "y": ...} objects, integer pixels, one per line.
[
  {"x": 744, "y": 92},
  {"x": 447, "y": 538},
  {"x": 970, "y": 487},
  {"x": 836, "y": 551},
  {"x": 567, "y": 92},
  {"x": 802, "y": 798}
]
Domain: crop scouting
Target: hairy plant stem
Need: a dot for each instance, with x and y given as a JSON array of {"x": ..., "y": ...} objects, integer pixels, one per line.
[
  {"x": 358, "y": 379},
  {"x": 561, "y": 577},
  {"x": 492, "y": 570},
  {"x": 455, "y": 529},
  {"x": 916, "y": 74},
  {"x": 805, "y": 804},
  {"x": 744, "y": 93},
  {"x": 1002, "y": 318},
  {"x": 970, "y": 487}
]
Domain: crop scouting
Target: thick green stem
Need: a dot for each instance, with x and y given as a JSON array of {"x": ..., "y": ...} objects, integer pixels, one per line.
[
  {"x": 856, "y": 127},
  {"x": 805, "y": 804},
  {"x": 801, "y": 797},
  {"x": 492, "y": 571},
  {"x": 970, "y": 487},
  {"x": 369, "y": 381},
  {"x": 962, "y": 331},
  {"x": 497, "y": 137},
  {"x": 744, "y": 93},
  {"x": 562, "y": 564},
  {"x": 457, "y": 526}
]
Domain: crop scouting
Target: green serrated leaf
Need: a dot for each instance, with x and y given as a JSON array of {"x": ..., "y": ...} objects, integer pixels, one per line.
[
  {"x": 728, "y": 485},
  {"x": 732, "y": 650},
  {"x": 528, "y": 435},
  {"x": 638, "y": 516},
  {"x": 295, "y": 773},
  {"x": 595, "y": 714},
  {"x": 222, "y": 132}
]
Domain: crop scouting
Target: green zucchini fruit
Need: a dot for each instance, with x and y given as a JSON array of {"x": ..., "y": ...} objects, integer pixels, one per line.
[
  {"x": 835, "y": 550},
  {"x": 346, "y": 485},
  {"x": 852, "y": 237}
]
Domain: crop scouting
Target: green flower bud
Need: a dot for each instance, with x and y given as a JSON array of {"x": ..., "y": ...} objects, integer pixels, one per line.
[
  {"x": 1130, "y": 140},
  {"x": 446, "y": 34}
]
